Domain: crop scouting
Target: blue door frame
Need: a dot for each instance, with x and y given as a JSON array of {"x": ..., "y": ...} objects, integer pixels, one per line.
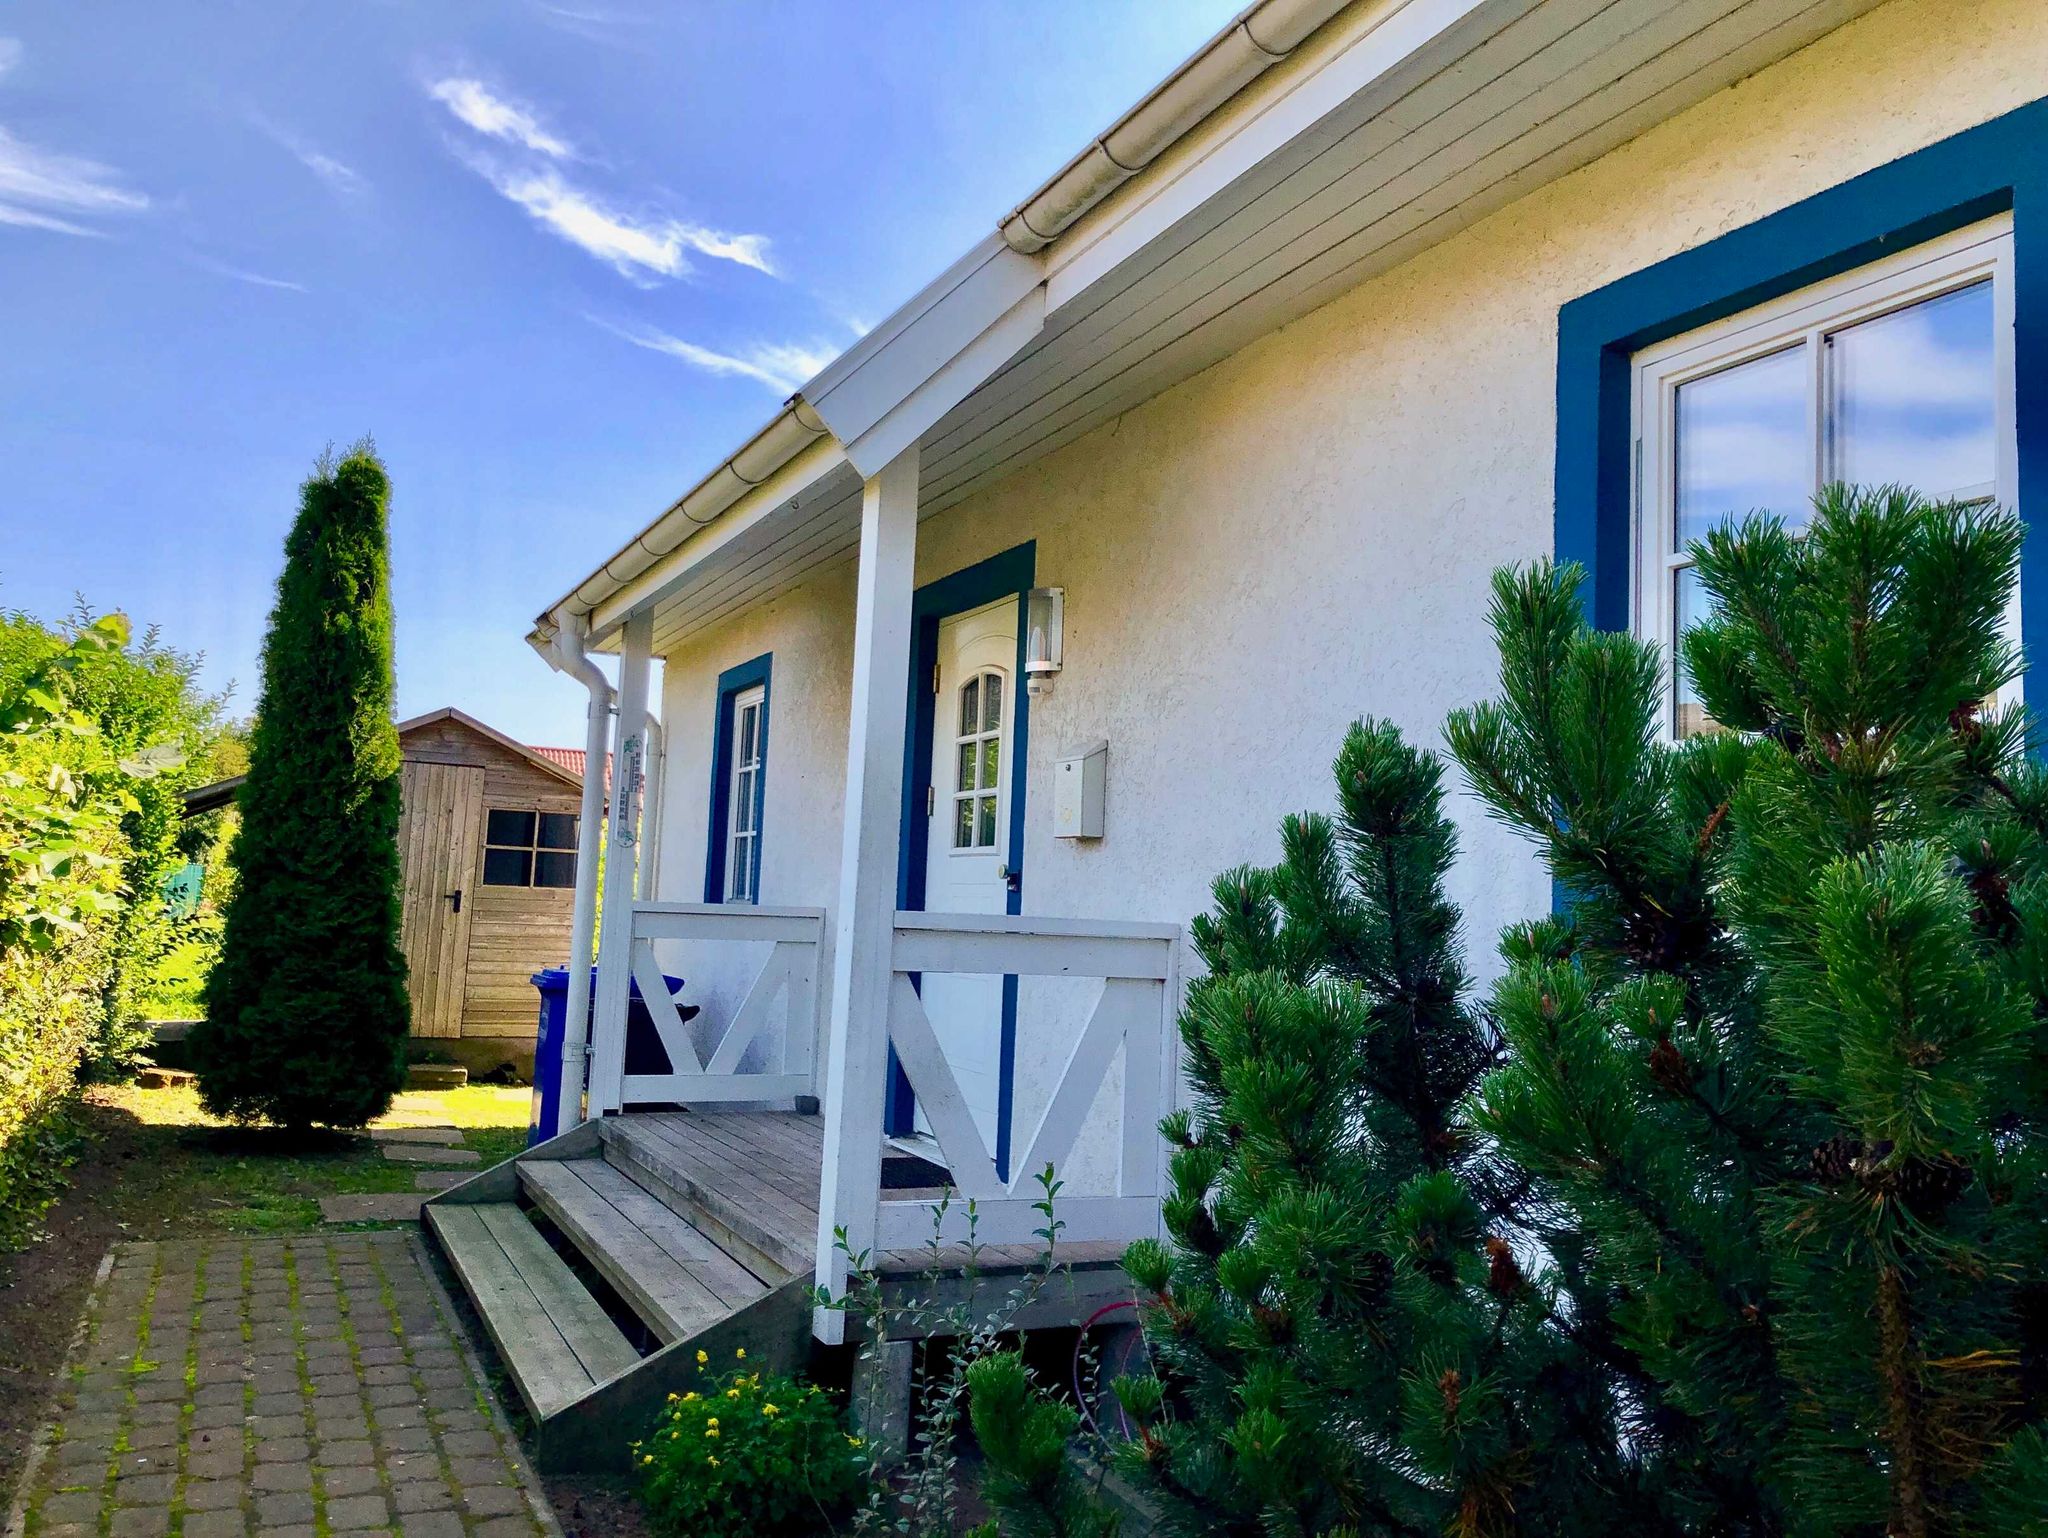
[{"x": 1010, "y": 573}]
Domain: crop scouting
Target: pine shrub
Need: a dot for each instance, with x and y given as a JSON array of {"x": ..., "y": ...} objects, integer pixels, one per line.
[{"x": 306, "y": 1010}]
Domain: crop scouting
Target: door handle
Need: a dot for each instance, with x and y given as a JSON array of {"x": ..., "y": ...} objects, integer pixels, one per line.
[
  {"x": 1013, "y": 879},
  {"x": 454, "y": 897}
]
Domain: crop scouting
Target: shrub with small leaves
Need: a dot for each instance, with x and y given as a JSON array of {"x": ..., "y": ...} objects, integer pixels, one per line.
[{"x": 748, "y": 1452}]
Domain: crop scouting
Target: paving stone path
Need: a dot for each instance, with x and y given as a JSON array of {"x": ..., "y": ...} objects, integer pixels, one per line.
[{"x": 291, "y": 1387}]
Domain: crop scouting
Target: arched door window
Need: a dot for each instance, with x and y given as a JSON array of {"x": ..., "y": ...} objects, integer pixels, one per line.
[{"x": 978, "y": 762}]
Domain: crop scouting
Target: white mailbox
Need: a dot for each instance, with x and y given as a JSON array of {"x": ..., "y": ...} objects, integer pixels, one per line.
[{"x": 1077, "y": 793}]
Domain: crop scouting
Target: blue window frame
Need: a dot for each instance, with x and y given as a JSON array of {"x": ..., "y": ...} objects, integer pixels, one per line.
[
  {"x": 1997, "y": 167},
  {"x": 739, "y": 783}
]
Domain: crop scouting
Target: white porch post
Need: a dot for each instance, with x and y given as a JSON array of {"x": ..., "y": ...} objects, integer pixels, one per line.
[
  {"x": 622, "y": 836},
  {"x": 857, "y": 1046}
]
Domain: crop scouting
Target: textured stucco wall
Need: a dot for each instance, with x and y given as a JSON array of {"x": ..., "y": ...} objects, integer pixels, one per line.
[{"x": 1303, "y": 533}]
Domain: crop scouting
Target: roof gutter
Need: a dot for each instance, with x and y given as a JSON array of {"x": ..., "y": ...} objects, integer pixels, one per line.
[
  {"x": 1262, "y": 35},
  {"x": 795, "y": 428}
]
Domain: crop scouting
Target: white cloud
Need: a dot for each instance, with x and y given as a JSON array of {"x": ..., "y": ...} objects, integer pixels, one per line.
[
  {"x": 41, "y": 189},
  {"x": 29, "y": 219},
  {"x": 634, "y": 246},
  {"x": 244, "y": 275},
  {"x": 10, "y": 53},
  {"x": 338, "y": 175},
  {"x": 477, "y": 106},
  {"x": 783, "y": 366}
]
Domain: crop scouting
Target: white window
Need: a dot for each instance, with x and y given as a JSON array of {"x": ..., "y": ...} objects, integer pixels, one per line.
[
  {"x": 978, "y": 760},
  {"x": 743, "y": 798},
  {"x": 1901, "y": 371}
]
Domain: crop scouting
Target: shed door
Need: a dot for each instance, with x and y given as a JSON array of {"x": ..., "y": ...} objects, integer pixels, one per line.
[{"x": 440, "y": 835}]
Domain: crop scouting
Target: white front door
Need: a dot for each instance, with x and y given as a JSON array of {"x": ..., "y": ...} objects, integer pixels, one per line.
[{"x": 967, "y": 859}]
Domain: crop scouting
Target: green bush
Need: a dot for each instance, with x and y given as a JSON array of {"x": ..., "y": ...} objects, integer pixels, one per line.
[
  {"x": 749, "y": 1453},
  {"x": 306, "y": 1012},
  {"x": 60, "y": 846}
]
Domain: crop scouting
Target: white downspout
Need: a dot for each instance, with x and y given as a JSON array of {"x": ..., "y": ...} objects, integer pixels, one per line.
[{"x": 565, "y": 654}]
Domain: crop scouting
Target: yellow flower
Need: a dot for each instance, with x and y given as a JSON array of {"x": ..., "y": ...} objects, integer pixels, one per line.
[
  {"x": 732, "y": 1393},
  {"x": 853, "y": 1442},
  {"x": 769, "y": 1409},
  {"x": 647, "y": 1458},
  {"x": 703, "y": 1357},
  {"x": 687, "y": 1398},
  {"x": 741, "y": 1354},
  {"x": 712, "y": 1422},
  {"x": 711, "y": 1431},
  {"x": 675, "y": 1398},
  {"x": 711, "y": 1460}
]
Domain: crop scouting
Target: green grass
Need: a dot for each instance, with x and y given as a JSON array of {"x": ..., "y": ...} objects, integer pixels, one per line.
[{"x": 193, "y": 1171}]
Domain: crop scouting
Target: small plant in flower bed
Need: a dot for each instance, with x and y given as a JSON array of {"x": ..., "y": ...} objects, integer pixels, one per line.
[{"x": 748, "y": 1452}]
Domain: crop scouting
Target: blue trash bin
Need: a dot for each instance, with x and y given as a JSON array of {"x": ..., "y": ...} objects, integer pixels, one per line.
[{"x": 644, "y": 1052}]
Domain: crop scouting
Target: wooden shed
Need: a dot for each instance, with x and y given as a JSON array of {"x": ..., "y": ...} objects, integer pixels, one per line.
[{"x": 488, "y": 844}]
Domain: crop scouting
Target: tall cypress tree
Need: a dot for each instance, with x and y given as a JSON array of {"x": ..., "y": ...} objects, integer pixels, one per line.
[{"x": 306, "y": 1009}]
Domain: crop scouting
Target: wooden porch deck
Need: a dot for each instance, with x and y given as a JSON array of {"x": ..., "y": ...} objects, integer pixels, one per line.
[{"x": 601, "y": 1261}]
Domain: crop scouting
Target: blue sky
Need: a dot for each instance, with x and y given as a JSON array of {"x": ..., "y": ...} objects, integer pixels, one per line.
[{"x": 557, "y": 256}]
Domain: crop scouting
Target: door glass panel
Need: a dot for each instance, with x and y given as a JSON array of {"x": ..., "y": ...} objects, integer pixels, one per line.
[
  {"x": 991, "y": 761},
  {"x": 970, "y": 706},
  {"x": 987, "y": 840},
  {"x": 992, "y": 715},
  {"x": 965, "y": 779},
  {"x": 963, "y": 823},
  {"x": 1743, "y": 445},
  {"x": 1915, "y": 397}
]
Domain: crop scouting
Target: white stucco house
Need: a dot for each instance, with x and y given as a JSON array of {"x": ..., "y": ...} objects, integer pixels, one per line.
[{"x": 1044, "y": 603}]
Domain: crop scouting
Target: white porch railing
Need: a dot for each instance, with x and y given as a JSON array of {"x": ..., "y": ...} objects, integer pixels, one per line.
[
  {"x": 1132, "y": 1012},
  {"x": 780, "y": 1009}
]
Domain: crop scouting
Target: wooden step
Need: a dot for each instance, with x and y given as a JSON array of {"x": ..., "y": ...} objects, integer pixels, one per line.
[
  {"x": 674, "y": 1277},
  {"x": 744, "y": 1203},
  {"x": 553, "y": 1337}
]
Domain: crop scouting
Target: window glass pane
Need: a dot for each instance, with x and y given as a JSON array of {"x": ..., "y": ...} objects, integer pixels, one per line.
[
  {"x": 987, "y": 838},
  {"x": 554, "y": 869},
  {"x": 1690, "y": 605},
  {"x": 970, "y": 707},
  {"x": 1914, "y": 396},
  {"x": 508, "y": 867},
  {"x": 557, "y": 830},
  {"x": 963, "y": 823},
  {"x": 744, "y": 801},
  {"x": 750, "y": 717},
  {"x": 991, "y": 761},
  {"x": 509, "y": 828},
  {"x": 1743, "y": 445},
  {"x": 992, "y": 714},
  {"x": 740, "y": 868},
  {"x": 964, "y": 778}
]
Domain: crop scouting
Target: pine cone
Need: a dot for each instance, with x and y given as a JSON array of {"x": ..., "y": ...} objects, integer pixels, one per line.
[
  {"x": 1452, "y": 1386},
  {"x": 1670, "y": 1069},
  {"x": 1834, "y": 1162},
  {"x": 1927, "y": 1187},
  {"x": 1503, "y": 1276}
]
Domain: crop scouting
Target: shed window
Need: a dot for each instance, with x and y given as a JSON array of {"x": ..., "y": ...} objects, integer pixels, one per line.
[
  {"x": 529, "y": 848},
  {"x": 1897, "y": 372}
]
